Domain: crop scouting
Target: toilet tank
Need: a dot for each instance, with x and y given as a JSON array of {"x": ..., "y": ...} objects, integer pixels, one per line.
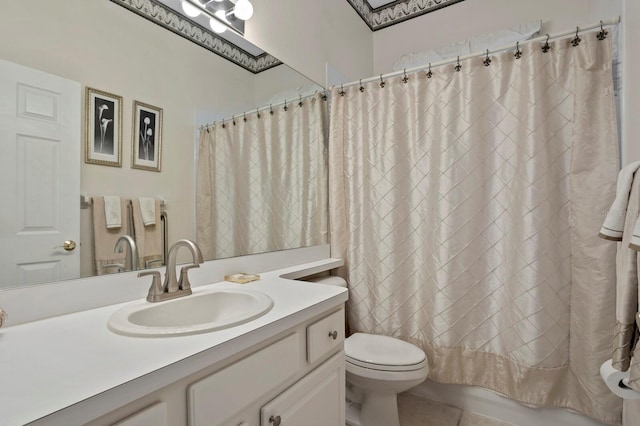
[{"x": 330, "y": 280}]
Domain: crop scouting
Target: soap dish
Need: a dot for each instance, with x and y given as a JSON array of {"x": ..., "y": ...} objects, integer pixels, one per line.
[{"x": 241, "y": 278}]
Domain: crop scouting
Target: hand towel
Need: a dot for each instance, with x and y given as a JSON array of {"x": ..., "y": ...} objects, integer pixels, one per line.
[
  {"x": 627, "y": 286},
  {"x": 104, "y": 239},
  {"x": 148, "y": 238},
  {"x": 634, "y": 243},
  {"x": 112, "y": 212},
  {"x": 148, "y": 210},
  {"x": 614, "y": 222}
]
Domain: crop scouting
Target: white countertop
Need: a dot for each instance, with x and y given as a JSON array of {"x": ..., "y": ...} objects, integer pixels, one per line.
[{"x": 74, "y": 363}]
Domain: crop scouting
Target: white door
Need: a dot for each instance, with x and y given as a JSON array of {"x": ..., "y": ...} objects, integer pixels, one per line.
[{"x": 40, "y": 126}]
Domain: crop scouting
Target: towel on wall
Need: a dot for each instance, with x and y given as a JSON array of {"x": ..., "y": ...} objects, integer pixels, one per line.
[
  {"x": 113, "y": 212},
  {"x": 614, "y": 222},
  {"x": 148, "y": 237},
  {"x": 148, "y": 210},
  {"x": 105, "y": 239},
  {"x": 626, "y": 350}
]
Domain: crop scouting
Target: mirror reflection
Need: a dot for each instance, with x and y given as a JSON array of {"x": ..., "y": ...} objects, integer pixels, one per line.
[{"x": 128, "y": 61}]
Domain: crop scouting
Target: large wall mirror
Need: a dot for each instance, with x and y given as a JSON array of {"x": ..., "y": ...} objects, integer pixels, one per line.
[{"x": 108, "y": 46}]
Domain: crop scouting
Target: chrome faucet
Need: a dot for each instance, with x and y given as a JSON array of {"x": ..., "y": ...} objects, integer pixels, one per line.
[
  {"x": 172, "y": 287},
  {"x": 133, "y": 250}
]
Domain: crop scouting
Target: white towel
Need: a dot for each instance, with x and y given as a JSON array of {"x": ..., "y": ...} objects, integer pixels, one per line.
[
  {"x": 634, "y": 243},
  {"x": 614, "y": 221},
  {"x": 148, "y": 210},
  {"x": 112, "y": 211}
]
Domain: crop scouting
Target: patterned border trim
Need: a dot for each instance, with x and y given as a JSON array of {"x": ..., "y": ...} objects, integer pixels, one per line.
[
  {"x": 396, "y": 12},
  {"x": 167, "y": 18}
]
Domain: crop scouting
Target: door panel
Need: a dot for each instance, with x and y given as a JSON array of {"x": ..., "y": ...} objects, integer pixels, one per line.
[{"x": 40, "y": 151}]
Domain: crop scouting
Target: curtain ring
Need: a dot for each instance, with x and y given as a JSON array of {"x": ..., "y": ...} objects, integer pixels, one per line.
[
  {"x": 545, "y": 46},
  {"x": 223, "y": 125},
  {"x": 382, "y": 83},
  {"x": 286, "y": 108},
  {"x": 207, "y": 129},
  {"x": 429, "y": 73},
  {"x": 518, "y": 53},
  {"x": 487, "y": 59},
  {"x": 244, "y": 117},
  {"x": 576, "y": 40},
  {"x": 603, "y": 33},
  {"x": 342, "y": 92},
  {"x": 258, "y": 112},
  {"x": 405, "y": 79},
  {"x": 233, "y": 119},
  {"x": 361, "y": 86},
  {"x": 300, "y": 103},
  {"x": 458, "y": 67},
  {"x": 270, "y": 110},
  {"x": 324, "y": 95}
]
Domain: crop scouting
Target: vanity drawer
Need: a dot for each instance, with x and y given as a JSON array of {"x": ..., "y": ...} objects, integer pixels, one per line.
[{"x": 325, "y": 336}]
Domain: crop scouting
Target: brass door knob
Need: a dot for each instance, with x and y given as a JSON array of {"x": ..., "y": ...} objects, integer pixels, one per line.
[{"x": 69, "y": 245}]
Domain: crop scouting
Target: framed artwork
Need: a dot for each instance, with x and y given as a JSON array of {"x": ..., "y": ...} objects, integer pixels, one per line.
[
  {"x": 147, "y": 137},
  {"x": 104, "y": 128}
]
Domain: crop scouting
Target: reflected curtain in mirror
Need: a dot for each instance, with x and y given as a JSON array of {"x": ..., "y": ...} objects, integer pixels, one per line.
[{"x": 262, "y": 181}]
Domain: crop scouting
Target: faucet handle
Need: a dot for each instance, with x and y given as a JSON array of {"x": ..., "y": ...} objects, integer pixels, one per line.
[
  {"x": 184, "y": 283},
  {"x": 156, "y": 289}
]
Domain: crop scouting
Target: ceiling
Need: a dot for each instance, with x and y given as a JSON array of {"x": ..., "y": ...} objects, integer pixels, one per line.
[{"x": 377, "y": 14}]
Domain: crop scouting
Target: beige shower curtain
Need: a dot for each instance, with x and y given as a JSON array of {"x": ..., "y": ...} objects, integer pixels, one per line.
[
  {"x": 467, "y": 206},
  {"x": 262, "y": 183}
]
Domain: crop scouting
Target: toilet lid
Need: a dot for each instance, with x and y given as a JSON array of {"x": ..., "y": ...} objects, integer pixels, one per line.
[{"x": 382, "y": 350}]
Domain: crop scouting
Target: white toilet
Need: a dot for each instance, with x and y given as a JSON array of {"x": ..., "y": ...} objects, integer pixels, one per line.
[{"x": 378, "y": 369}]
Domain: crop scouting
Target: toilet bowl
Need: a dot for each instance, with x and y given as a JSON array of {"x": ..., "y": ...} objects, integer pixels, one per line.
[{"x": 378, "y": 369}]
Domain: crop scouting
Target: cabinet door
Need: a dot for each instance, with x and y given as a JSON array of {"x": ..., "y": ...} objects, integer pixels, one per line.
[
  {"x": 316, "y": 400},
  {"x": 217, "y": 398}
]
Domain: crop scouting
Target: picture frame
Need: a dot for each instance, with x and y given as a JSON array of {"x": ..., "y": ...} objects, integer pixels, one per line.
[
  {"x": 103, "y": 128},
  {"x": 146, "y": 143}
]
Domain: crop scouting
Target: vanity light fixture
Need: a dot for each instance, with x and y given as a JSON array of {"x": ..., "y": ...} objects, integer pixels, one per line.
[
  {"x": 190, "y": 9},
  {"x": 215, "y": 24},
  {"x": 243, "y": 10},
  {"x": 222, "y": 14}
]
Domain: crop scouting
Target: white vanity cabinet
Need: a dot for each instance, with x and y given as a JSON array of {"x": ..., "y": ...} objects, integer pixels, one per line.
[
  {"x": 236, "y": 395},
  {"x": 294, "y": 378}
]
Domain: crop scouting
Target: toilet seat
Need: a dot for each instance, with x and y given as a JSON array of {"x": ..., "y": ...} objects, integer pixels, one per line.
[{"x": 383, "y": 353}]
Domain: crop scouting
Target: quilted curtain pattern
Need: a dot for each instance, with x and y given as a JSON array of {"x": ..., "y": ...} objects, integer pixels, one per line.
[
  {"x": 467, "y": 206},
  {"x": 262, "y": 183}
]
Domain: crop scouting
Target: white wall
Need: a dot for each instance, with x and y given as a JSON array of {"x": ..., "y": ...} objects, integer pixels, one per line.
[
  {"x": 631, "y": 69},
  {"x": 311, "y": 33},
  {"x": 473, "y": 17}
]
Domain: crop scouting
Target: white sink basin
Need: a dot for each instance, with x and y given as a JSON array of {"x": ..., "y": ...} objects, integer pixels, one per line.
[{"x": 200, "y": 312}]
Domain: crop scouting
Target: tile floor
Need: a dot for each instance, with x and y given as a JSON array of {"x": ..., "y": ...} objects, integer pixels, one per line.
[{"x": 416, "y": 411}]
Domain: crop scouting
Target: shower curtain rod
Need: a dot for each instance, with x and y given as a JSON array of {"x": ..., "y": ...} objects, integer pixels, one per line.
[
  {"x": 608, "y": 23},
  {"x": 286, "y": 102}
]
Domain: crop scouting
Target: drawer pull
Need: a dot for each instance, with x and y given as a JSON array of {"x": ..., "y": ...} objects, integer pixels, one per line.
[
  {"x": 275, "y": 420},
  {"x": 333, "y": 335}
]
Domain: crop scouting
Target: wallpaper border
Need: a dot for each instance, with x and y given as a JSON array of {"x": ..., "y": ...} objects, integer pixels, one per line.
[{"x": 165, "y": 17}]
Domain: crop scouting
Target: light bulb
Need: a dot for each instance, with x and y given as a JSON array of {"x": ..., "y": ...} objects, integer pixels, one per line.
[
  {"x": 190, "y": 9},
  {"x": 216, "y": 26},
  {"x": 243, "y": 9}
]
